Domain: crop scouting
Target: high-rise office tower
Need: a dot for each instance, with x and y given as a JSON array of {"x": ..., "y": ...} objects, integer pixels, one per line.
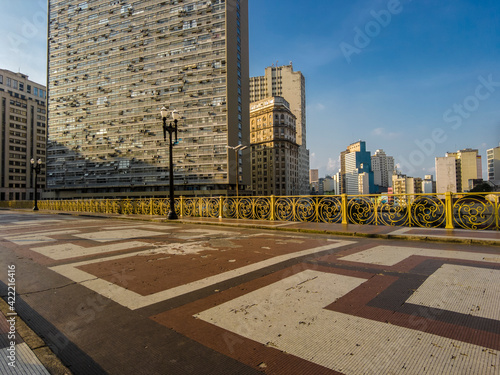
[
  {"x": 283, "y": 81},
  {"x": 355, "y": 160},
  {"x": 113, "y": 64},
  {"x": 22, "y": 135}
]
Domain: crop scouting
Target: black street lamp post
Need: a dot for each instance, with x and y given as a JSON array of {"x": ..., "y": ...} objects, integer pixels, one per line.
[
  {"x": 170, "y": 128},
  {"x": 237, "y": 149},
  {"x": 37, "y": 167}
]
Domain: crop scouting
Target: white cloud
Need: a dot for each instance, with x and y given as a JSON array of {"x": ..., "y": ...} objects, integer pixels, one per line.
[
  {"x": 333, "y": 166},
  {"x": 316, "y": 107},
  {"x": 382, "y": 132}
]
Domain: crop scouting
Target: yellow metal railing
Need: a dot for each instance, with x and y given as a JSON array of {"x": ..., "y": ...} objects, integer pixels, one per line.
[{"x": 477, "y": 211}]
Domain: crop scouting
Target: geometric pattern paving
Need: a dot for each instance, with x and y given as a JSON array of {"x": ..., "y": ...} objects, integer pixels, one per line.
[
  {"x": 177, "y": 281},
  {"x": 295, "y": 321},
  {"x": 429, "y": 312},
  {"x": 339, "y": 308},
  {"x": 150, "y": 259}
]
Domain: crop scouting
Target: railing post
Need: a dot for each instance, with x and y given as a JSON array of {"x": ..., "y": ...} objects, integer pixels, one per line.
[
  {"x": 408, "y": 206},
  {"x": 497, "y": 207},
  {"x": 449, "y": 210},
  {"x": 316, "y": 208},
  {"x": 182, "y": 206},
  {"x": 221, "y": 206},
  {"x": 344, "y": 209},
  {"x": 272, "y": 203}
]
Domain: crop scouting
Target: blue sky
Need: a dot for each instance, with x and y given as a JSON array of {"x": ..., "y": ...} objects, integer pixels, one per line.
[{"x": 416, "y": 78}]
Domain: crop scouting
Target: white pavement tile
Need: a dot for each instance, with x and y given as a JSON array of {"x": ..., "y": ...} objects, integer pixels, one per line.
[
  {"x": 34, "y": 238},
  {"x": 289, "y": 315},
  {"x": 118, "y": 235},
  {"x": 24, "y": 363},
  {"x": 70, "y": 250},
  {"x": 462, "y": 289},
  {"x": 391, "y": 255}
]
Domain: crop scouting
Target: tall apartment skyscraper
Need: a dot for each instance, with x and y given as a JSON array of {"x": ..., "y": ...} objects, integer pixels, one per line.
[
  {"x": 454, "y": 171},
  {"x": 493, "y": 156},
  {"x": 283, "y": 81},
  {"x": 383, "y": 169},
  {"x": 22, "y": 135},
  {"x": 113, "y": 64}
]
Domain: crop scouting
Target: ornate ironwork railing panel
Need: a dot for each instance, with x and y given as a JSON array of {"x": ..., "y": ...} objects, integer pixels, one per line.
[
  {"x": 329, "y": 209},
  {"x": 262, "y": 208},
  {"x": 284, "y": 209},
  {"x": 230, "y": 208},
  {"x": 393, "y": 211},
  {"x": 476, "y": 211},
  {"x": 245, "y": 208},
  {"x": 428, "y": 212},
  {"x": 362, "y": 210},
  {"x": 190, "y": 207}
]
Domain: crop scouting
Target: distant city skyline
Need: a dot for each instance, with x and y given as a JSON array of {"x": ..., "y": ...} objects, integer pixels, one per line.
[{"x": 415, "y": 78}]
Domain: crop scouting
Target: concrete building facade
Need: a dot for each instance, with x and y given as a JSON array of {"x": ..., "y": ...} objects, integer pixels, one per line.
[
  {"x": 328, "y": 185},
  {"x": 402, "y": 184},
  {"x": 447, "y": 170},
  {"x": 23, "y": 135},
  {"x": 454, "y": 170},
  {"x": 428, "y": 184},
  {"x": 285, "y": 82},
  {"x": 112, "y": 65},
  {"x": 274, "y": 150}
]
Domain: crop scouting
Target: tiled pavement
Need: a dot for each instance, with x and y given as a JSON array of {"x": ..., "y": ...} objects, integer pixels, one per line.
[
  {"x": 16, "y": 357},
  {"x": 151, "y": 297}
]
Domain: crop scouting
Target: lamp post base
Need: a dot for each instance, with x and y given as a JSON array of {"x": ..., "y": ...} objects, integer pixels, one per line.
[
  {"x": 35, "y": 208},
  {"x": 172, "y": 215}
]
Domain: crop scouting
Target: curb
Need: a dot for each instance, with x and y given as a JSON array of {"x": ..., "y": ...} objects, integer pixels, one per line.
[{"x": 44, "y": 354}]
